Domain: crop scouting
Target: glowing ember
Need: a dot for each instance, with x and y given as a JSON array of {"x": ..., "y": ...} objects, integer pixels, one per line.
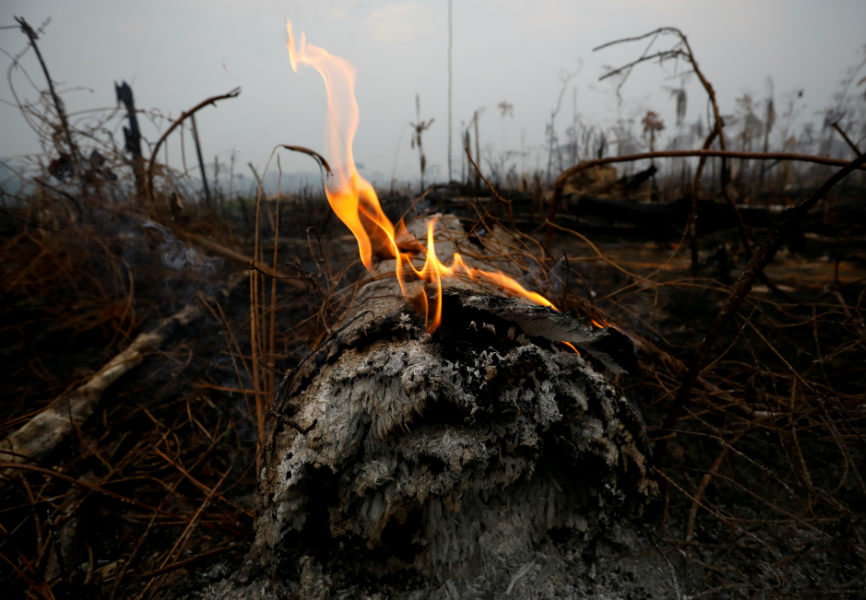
[{"x": 355, "y": 202}]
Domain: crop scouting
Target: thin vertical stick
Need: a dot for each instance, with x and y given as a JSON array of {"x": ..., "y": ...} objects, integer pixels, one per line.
[
  {"x": 254, "y": 341},
  {"x": 272, "y": 351},
  {"x": 183, "y": 116},
  {"x": 450, "y": 45},
  {"x": 207, "y": 197}
]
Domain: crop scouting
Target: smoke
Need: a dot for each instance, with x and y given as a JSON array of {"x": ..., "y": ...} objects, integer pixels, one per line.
[{"x": 179, "y": 256}]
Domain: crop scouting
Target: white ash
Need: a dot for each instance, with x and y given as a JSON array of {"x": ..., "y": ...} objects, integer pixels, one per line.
[{"x": 393, "y": 455}]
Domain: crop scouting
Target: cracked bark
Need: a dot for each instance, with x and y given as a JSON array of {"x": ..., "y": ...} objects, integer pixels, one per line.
[{"x": 425, "y": 465}]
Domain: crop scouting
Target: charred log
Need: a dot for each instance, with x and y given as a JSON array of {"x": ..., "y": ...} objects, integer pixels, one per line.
[
  {"x": 630, "y": 183},
  {"x": 403, "y": 461},
  {"x": 663, "y": 218}
]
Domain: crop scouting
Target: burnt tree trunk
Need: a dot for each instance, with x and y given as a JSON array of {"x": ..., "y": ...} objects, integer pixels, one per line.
[{"x": 450, "y": 464}]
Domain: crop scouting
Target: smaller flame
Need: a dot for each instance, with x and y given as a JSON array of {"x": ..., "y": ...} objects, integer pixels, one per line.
[
  {"x": 354, "y": 200},
  {"x": 570, "y": 345},
  {"x": 433, "y": 271}
]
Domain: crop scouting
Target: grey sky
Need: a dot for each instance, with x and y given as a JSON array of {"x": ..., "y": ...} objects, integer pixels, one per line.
[{"x": 177, "y": 53}]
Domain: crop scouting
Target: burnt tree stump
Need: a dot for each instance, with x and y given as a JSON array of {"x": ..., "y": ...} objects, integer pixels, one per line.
[{"x": 425, "y": 465}]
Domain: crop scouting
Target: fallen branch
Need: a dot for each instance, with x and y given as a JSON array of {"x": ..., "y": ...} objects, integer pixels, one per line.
[
  {"x": 563, "y": 177},
  {"x": 42, "y": 433},
  {"x": 296, "y": 281}
]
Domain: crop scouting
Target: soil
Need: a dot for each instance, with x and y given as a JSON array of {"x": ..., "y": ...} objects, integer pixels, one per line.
[{"x": 761, "y": 485}]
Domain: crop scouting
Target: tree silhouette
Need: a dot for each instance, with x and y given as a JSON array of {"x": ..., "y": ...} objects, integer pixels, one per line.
[{"x": 420, "y": 126}]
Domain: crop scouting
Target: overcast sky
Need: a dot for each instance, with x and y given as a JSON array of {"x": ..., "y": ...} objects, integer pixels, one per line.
[{"x": 175, "y": 54}]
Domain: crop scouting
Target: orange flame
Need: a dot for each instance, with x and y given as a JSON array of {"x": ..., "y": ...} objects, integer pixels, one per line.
[
  {"x": 354, "y": 200},
  {"x": 351, "y": 196}
]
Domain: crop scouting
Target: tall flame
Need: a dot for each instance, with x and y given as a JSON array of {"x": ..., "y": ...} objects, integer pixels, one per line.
[
  {"x": 351, "y": 196},
  {"x": 354, "y": 200}
]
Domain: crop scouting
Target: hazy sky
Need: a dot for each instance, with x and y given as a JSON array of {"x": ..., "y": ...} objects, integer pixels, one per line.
[{"x": 175, "y": 54}]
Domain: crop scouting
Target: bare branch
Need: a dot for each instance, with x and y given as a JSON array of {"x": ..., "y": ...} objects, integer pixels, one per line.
[
  {"x": 58, "y": 105},
  {"x": 762, "y": 257},
  {"x": 638, "y": 37},
  {"x": 318, "y": 157},
  {"x": 185, "y": 115},
  {"x": 661, "y": 55}
]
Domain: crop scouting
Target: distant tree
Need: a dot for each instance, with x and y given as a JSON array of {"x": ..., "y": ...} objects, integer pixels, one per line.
[
  {"x": 419, "y": 127},
  {"x": 651, "y": 124},
  {"x": 506, "y": 109},
  {"x": 564, "y": 78},
  {"x": 475, "y": 114},
  {"x": 681, "y": 100}
]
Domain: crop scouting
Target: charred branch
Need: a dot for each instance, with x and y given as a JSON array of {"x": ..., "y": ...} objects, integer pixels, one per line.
[
  {"x": 185, "y": 115},
  {"x": 762, "y": 257},
  {"x": 43, "y": 432},
  {"x": 559, "y": 185}
]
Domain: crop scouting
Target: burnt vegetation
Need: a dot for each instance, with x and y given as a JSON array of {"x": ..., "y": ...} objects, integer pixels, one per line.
[{"x": 736, "y": 266}]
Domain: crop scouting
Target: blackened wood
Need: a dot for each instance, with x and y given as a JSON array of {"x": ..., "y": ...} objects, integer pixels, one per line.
[{"x": 402, "y": 461}]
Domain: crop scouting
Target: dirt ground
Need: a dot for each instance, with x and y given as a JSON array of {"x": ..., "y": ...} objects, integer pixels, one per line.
[{"x": 155, "y": 496}]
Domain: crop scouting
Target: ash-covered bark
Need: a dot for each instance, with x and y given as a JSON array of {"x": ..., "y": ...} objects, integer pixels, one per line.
[
  {"x": 481, "y": 459},
  {"x": 403, "y": 460}
]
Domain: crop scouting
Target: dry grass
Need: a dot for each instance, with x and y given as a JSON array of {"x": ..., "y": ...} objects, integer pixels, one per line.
[{"x": 762, "y": 466}]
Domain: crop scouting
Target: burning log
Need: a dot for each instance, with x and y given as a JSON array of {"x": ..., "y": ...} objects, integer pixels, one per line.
[
  {"x": 439, "y": 447},
  {"x": 404, "y": 460}
]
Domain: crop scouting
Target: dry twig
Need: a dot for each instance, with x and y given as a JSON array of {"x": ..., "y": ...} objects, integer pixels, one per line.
[{"x": 183, "y": 116}]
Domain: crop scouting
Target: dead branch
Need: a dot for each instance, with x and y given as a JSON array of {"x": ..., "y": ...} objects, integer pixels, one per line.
[
  {"x": 492, "y": 189},
  {"x": 41, "y": 434},
  {"x": 183, "y": 116},
  {"x": 847, "y": 139},
  {"x": 637, "y": 38},
  {"x": 318, "y": 157},
  {"x": 760, "y": 260},
  {"x": 296, "y": 281},
  {"x": 58, "y": 105},
  {"x": 705, "y": 482},
  {"x": 688, "y": 55},
  {"x": 661, "y": 55},
  {"x": 559, "y": 184},
  {"x": 717, "y": 131}
]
